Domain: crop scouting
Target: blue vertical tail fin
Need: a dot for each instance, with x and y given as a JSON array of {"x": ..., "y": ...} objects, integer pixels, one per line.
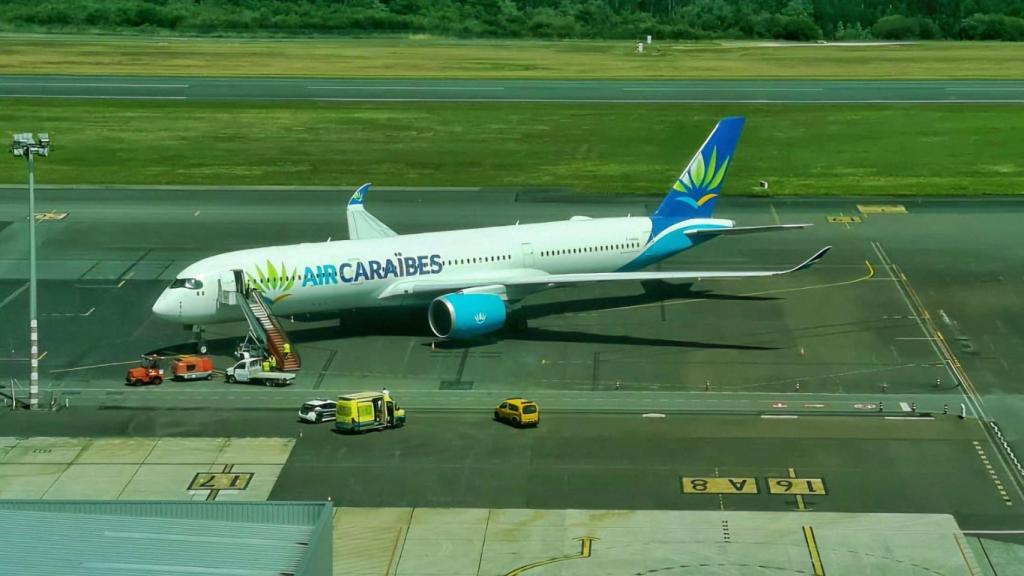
[{"x": 694, "y": 194}]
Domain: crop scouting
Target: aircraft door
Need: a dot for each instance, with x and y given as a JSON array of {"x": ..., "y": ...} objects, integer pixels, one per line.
[
  {"x": 527, "y": 255},
  {"x": 227, "y": 289}
]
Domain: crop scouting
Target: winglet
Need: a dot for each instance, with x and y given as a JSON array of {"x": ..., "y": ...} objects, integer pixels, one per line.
[
  {"x": 360, "y": 195},
  {"x": 810, "y": 261}
]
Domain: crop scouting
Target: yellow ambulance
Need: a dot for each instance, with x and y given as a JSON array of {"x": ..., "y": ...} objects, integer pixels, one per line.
[{"x": 368, "y": 411}]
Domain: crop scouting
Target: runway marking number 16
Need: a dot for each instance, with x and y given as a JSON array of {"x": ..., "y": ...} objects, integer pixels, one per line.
[{"x": 801, "y": 486}]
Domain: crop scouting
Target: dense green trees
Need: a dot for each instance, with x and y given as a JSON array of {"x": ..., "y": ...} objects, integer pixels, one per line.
[{"x": 682, "y": 19}]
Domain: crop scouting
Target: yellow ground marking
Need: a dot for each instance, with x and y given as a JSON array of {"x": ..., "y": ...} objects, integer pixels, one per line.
[
  {"x": 586, "y": 547},
  {"x": 43, "y": 355},
  {"x": 992, "y": 474},
  {"x": 882, "y": 208},
  {"x": 799, "y": 499},
  {"x": 963, "y": 554},
  {"x": 50, "y": 216},
  {"x": 868, "y": 276},
  {"x": 812, "y": 548},
  {"x": 712, "y": 485},
  {"x": 843, "y": 219},
  {"x": 124, "y": 279},
  {"x": 951, "y": 359}
]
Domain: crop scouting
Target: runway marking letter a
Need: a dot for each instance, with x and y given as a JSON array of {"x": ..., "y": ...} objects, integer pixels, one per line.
[{"x": 713, "y": 485}]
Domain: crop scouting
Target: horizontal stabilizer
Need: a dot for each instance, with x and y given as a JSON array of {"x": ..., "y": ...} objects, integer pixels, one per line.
[{"x": 744, "y": 230}]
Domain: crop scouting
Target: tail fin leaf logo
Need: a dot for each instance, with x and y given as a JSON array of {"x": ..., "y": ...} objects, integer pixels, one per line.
[{"x": 700, "y": 180}]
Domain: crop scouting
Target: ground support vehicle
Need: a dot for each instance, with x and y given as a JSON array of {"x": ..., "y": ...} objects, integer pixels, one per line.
[
  {"x": 518, "y": 412},
  {"x": 257, "y": 371},
  {"x": 149, "y": 372},
  {"x": 193, "y": 368},
  {"x": 364, "y": 411},
  {"x": 318, "y": 410}
]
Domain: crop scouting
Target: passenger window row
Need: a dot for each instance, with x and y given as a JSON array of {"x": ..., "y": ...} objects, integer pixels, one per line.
[
  {"x": 589, "y": 249},
  {"x": 478, "y": 260}
]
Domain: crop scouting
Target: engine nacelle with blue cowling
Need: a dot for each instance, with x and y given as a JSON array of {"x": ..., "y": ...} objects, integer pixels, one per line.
[{"x": 460, "y": 316}]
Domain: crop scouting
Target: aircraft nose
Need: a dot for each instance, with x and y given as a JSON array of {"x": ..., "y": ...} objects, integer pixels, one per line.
[{"x": 166, "y": 307}]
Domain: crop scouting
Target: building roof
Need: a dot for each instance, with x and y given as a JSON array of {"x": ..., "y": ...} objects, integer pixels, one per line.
[{"x": 119, "y": 538}]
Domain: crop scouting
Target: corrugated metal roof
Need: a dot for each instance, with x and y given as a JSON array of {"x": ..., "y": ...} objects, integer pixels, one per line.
[{"x": 47, "y": 542}]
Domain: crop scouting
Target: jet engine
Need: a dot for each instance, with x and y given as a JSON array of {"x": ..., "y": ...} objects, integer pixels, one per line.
[{"x": 460, "y": 316}]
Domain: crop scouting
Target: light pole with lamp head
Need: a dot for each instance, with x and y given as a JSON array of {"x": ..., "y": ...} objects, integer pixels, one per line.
[{"x": 25, "y": 145}]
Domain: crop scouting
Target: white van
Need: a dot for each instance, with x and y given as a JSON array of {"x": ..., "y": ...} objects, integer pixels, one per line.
[{"x": 318, "y": 410}]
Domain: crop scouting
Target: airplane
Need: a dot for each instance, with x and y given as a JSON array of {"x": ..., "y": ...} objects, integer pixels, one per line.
[{"x": 469, "y": 280}]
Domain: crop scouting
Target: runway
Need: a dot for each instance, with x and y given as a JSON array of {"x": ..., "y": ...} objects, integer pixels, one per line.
[{"x": 609, "y": 91}]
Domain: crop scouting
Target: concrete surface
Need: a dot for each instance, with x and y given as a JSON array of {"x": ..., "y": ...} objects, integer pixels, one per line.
[{"x": 578, "y": 91}]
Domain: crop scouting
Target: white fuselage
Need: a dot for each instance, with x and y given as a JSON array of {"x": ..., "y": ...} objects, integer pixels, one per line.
[{"x": 319, "y": 278}]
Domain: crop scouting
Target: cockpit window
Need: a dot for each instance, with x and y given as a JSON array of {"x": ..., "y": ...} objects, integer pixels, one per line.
[{"x": 190, "y": 283}]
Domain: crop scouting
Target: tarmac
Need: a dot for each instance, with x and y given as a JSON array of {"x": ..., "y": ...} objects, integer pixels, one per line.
[
  {"x": 835, "y": 380},
  {"x": 578, "y": 91}
]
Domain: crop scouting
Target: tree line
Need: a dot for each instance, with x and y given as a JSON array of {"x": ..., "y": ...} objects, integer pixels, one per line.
[{"x": 665, "y": 19}]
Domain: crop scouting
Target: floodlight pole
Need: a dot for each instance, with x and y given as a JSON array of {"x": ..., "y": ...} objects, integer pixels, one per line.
[
  {"x": 33, "y": 384},
  {"x": 26, "y": 145}
]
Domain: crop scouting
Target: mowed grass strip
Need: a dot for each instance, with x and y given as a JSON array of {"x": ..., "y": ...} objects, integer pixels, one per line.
[
  {"x": 435, "y": 58},
  {"x": 609, "y": 148}
]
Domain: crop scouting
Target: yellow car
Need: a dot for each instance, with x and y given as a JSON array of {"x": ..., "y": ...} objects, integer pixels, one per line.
[{"x": 518, "y": 412}]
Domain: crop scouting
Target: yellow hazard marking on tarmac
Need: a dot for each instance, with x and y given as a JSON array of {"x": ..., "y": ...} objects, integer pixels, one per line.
[
  {"x": 843, "y": 219},
  {"x": 712, "y": 485},
  {"x": 586, "y": 547},
  {"x": 812, "y": 548},
  {"x": 798, "y": 487},
  {"x": 882, "y": 208}
]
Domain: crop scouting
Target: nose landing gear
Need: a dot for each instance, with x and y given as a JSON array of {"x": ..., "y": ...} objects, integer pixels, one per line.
[{"x": 199, "y": 333}]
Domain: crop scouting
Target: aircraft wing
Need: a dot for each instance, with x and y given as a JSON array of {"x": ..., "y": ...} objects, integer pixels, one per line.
[
  {"x": 361, "y": 224},
  {"x": 538, "y": 278}
]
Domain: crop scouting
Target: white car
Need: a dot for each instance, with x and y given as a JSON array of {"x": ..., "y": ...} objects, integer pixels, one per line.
[{"x": 318, "y": 410}]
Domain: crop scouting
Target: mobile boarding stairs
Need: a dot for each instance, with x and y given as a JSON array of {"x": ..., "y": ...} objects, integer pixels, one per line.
[{"x": 264, "y": 328}]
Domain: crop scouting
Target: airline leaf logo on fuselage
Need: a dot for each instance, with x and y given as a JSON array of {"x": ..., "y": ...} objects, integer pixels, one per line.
[
  {"x": 275, "y": 285},
  {"x": 360, "y": 270}
]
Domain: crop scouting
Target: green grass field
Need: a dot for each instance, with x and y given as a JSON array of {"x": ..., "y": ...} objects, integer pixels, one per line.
[
  {"x": 434, "y": 58},
  {"x": 610, "y": 148}
]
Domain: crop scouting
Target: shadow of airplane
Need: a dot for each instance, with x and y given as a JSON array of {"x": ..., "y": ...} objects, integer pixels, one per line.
[
  {"x": 655, "y": 291},
  {"x": 573, "y": 336},
  {"x": 411, "y": 321}
]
